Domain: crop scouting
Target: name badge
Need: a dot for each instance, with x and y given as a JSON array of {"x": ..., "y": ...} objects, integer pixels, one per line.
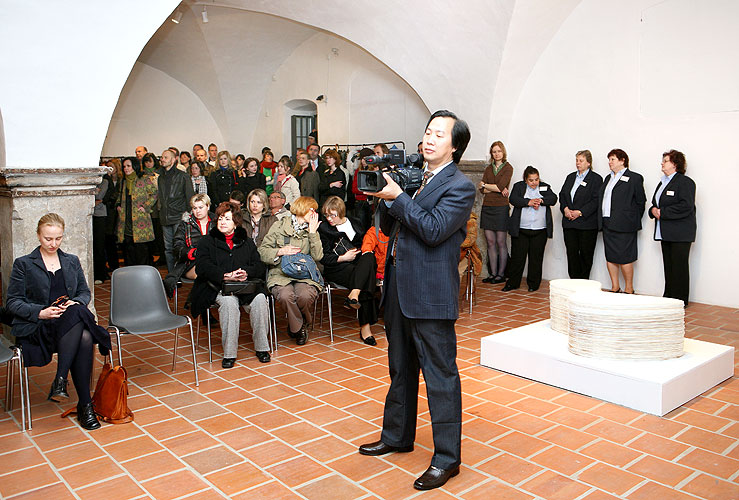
[
  {"x": 670, "y": 193},
  {"x": 543, "y": 188},
  {"x": 583, "y": 183},
  {"x": 625, "y": 179}
]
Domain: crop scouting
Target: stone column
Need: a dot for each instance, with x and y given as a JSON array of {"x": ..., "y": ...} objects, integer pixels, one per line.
[{"x": 28, "y": 193}]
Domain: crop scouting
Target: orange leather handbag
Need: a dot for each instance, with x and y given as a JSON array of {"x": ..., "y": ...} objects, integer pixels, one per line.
[{"x": 110, "y": 399}]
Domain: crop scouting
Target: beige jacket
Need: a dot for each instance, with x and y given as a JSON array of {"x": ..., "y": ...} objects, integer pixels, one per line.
[{"x": 309, "y": 243}]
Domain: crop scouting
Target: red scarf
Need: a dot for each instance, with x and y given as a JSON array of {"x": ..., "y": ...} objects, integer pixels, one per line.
[{"x": 230, "y": 240}]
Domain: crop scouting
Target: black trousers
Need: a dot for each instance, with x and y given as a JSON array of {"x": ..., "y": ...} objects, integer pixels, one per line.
[
  {"x": 529, "y": 243},
  {"x": 675, "y": 258},
  {"x": 360, "y": 274},
  {"x": 428, "y": 345},
  {"x": 98, "y": 248},
  {"x": 135, "y": 254},
  {"x": 580, "y": 245}
]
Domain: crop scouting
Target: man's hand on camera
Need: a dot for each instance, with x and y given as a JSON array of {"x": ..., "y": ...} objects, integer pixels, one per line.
[{"x": 390, "y": 191}]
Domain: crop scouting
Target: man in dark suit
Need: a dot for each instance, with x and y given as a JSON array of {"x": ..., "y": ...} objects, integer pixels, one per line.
[{"x": 421, "y": 299}]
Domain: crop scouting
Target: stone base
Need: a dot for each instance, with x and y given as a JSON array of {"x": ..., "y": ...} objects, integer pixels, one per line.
[{"x": 539, "y": 353}]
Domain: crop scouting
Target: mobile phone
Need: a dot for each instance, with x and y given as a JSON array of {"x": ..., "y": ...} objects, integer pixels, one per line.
[{"x": 61, "y": 300}]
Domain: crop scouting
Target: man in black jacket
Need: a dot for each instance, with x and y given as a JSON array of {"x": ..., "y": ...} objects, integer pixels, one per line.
[{"x": 174, "y": 193}]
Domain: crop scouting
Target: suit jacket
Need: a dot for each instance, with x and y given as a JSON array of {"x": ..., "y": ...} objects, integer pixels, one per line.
[
  {"x": 516, "y": 198},
  {"x": 627, "y": 203},
  {"x": 677, "y": 209},
  {"x": 30, "y": 285},
  {"x": 431, "y": 229},
  {"x": 585, "y": 200}
]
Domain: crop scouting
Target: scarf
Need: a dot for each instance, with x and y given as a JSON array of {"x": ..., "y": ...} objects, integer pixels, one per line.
[
  {"x": 201, "y": 187},
  {"x": 298, "y": 226},
  {"x": 130, "y": 179}
]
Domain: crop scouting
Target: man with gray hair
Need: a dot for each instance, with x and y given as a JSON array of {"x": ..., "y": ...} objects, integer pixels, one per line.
[
  {"x": 277, "y": 205},
  {"x": 174, "y": 193}
]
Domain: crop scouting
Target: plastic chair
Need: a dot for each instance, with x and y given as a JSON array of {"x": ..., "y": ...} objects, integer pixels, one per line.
[
  {"x": 138, "y": 305},
  {"x": 327, "y": 293},
  {"x": 180, "y": 282},
  {"x": 12, "y": 356}
]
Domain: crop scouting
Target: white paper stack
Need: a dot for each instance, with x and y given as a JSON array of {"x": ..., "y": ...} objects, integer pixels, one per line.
[
  {"x": 621, "y": 326},
  {"x": 559, "y": 300}
]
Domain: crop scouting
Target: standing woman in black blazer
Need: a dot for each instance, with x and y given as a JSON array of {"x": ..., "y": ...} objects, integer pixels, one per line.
[
  {"x": 621, "y": 202},
  {"x": 578, "y": 201},
  {"x": 529, "y": 226},
  {"x": 48, "y": 297},
  {"x": 673, "y": 208}
]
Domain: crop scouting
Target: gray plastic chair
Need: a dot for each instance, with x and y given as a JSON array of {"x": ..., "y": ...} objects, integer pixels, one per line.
[
  {"x": 327, "y": 288},
  {"x": 12, "y": 356},
  {"x": 138, "y": 305}
]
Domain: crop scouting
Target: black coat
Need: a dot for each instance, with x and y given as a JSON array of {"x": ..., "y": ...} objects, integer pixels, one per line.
[
  {"x": 677, "y": 209},
  {"x": 627, "y": 203},
  {"x": 174, "y": 189},
  {"x": 516, "y": 198},
  {"x": 185, "y": 242},
  {"x": 326, "y": 190},
  {"x": 214, "y": 259},
  {"x": 220, "y": 184},
  {"x": 585, "y": 200},
  {"x": 30, "y": 285},
  {"x": 247, "y": 184},
  {"x": 330, "y": 236}
]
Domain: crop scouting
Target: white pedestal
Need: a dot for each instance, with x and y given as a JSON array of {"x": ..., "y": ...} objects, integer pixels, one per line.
[{"x": 539, "y": 353}]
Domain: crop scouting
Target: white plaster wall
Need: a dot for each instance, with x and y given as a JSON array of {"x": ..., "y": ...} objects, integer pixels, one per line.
[
  {"x": 64, "y": 64},
  {"x": 584, "y": 92},
  {"x": 157, "y": 111},
  {"x": 365, "y": 101}
]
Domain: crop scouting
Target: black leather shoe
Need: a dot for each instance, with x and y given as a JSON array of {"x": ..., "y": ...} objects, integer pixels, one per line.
[
  {"x": 368, "y": 340},
  {"x": 228, "y": 362},
  {"x": 351, "y": 303},
  {"x": 489, "y": 279},
  {"x": 508, "y": 288},
  {"x": 263, "y": 356},
  {"x": 379, "y": 448},
  {"x": 58, "y": 392},
  {"x": 434, "y": 477},
  {"x": 498, "y": 279},
  {"x": 532, "y": 289},
  {"x": 87, "y": 418},
  {"x": 302, "y": 336}
]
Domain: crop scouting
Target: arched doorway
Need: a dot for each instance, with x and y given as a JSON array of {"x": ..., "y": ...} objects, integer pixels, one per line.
[{"x": 300, "y": 118}]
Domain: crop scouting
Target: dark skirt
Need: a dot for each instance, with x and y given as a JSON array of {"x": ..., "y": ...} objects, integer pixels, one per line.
[
  {"x": 39, "y": 347},
  {"x": 620, "y": 247},
  {"x": 494, "y": 218}
]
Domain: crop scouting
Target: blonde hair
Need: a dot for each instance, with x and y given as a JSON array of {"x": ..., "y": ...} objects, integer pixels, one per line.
[
  {"x": 50, "y": 219},
  {"x": 200, "y": 197},
  {"x": 262, "y": 195},
  {"x": 218, "y": 157},
  {"x": 303, "y": 205}
]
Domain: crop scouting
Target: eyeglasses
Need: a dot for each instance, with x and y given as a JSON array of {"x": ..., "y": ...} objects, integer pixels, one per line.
[{"x": 331, "y": 216}]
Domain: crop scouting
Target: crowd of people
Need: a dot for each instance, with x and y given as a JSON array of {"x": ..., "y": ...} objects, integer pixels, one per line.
[{"x": 221, "y": 218}]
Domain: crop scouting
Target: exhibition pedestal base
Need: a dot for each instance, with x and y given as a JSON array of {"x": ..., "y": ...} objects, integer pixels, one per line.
[{"x": 539, "y": 353}]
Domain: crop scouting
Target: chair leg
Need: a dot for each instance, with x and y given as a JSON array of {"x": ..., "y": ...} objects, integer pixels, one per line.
[
  {"x": 24, "y": 390},
  {"x": 175, "y": 298},
  {"x": 174, "y": 349},
  {"x": 194, "y": 358},
  {"x": 273, "y": 322},
  {"x": 9, "y": 387},
  {"x": 210, "y": 347},
  {"x": 330, "y": 313},
  {"x": 28, "y": 395}
]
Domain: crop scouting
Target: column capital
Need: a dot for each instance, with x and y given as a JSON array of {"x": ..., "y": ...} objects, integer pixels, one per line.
[{"x": 17, "y": 182}]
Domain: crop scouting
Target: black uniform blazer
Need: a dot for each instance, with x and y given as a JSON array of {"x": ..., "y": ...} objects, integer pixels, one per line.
[
  {"x": 30, "y": 285},
  {"x": 214, "y": 259},
  {"x": 585, "y": 200},
  {"x": 627, "y": 203},
  {"x": 677, "y": 209},
  {"x": 516, "y": 198}
]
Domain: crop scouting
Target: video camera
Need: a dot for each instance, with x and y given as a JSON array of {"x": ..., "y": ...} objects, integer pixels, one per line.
[{"x": 405, "y": 170}]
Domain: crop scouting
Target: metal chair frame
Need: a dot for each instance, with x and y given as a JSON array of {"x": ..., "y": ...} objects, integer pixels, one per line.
[
  {"x": 470, "y": 290},
  {"x": 17, "y": 358}
]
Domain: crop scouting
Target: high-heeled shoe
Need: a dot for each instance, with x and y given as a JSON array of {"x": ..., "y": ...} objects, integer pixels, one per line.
[
  {"x": 368, "y": 340},
  {"x": 351, "y": 303},
  {"x": 58, "y": 391},
  {"x": 86, "y": 417}
]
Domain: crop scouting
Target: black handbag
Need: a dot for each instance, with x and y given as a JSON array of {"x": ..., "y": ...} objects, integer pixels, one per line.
[
  {"x": 342, "y": 246},
  {"x": 248, "y": 287}
]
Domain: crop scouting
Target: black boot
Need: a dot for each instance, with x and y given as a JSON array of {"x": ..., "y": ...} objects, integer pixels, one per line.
[
  {"x": 58, "y": 392},
  {"x": 87, "y": 418}
]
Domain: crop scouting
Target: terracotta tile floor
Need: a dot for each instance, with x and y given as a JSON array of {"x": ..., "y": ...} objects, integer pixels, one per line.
[{"x": 290, "y": 428}]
